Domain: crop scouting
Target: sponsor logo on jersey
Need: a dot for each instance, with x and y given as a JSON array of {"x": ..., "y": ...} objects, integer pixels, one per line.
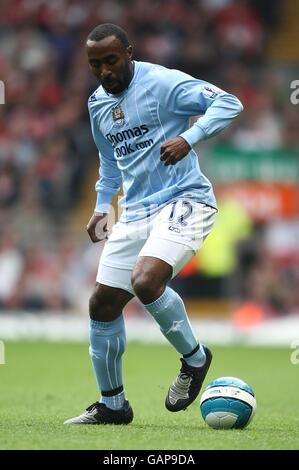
[
  {"x": 127, "y": 134},
  {"x": 119, "y": 140}
]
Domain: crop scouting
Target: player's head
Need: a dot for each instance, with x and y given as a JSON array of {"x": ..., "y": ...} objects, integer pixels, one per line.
[{"x": 110, "y": 57}]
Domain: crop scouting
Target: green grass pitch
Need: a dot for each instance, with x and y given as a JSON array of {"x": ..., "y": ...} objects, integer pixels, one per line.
[{"x": 42, "y": 384}]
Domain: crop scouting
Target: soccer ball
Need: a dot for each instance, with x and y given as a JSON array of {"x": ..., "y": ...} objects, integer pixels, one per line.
[{"x": 228, "y": 403}]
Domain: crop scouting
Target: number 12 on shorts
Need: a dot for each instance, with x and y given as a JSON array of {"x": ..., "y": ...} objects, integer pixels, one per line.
[{"x": 181, "y": 219}]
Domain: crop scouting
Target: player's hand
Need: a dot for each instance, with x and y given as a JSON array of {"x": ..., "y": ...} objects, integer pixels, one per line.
[
  {"x": 173, "y": 150},
  {"x": 97, "y": 227}
]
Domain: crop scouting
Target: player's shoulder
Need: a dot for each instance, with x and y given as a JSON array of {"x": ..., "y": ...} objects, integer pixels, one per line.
[
  {"x": 97, "y": 96},
  {"x": 148, "y": 71},
  {"x": 153, "y": 74}
]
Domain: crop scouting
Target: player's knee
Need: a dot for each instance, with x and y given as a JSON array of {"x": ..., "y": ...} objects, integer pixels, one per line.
[
  {"x": 100, "y": 308},
  {"x": 145, "y": 287}
]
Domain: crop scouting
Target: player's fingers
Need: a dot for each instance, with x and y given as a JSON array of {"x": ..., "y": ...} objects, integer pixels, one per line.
[
  {"x": 169, "y": 161},
  {"x": 93, "y": 237},
  {"x": 164, "y": 156},
  {"x": 100, "y": 232},
  {"x": 164, "y": 151},
  {"x": 163, "y": 147},
  {"x": 96, "y": 240},
  {"x": 92, "y": 234},
  {"x": 104, "y": 229},
  {"x": 175, "y": 160}
]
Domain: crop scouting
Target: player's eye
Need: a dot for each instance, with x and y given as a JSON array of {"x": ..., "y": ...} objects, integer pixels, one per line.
[
  {"x": 112, "y": 60},
  {"x": 95, "y": 64}
]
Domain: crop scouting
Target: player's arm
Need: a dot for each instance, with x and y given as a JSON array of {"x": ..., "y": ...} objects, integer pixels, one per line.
[
  {"x": 192, "y": 97},
  {"x": 106, "y": 187}
]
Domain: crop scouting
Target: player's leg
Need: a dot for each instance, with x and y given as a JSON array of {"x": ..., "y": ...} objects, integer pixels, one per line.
[
  {"x": 107, "y": 330},
  {"x": 161, "y": 258},
  {"x": 107, "y": 345},
  {"x": 107, "y": 342},
  {"x": 149, "y": 280}
]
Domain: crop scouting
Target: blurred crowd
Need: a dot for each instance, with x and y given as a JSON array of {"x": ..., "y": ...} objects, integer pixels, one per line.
[{"x": 46, "y": 150}]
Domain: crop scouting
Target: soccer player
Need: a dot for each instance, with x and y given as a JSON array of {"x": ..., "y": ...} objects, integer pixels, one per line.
[{"x": 140, "y": 123}]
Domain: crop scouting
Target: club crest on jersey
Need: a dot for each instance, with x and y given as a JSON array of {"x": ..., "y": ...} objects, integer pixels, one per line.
[{"x": 118, "y": 116}]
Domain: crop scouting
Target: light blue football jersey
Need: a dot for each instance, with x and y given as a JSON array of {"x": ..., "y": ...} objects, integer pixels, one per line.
[{"x": 130, "y": 127}]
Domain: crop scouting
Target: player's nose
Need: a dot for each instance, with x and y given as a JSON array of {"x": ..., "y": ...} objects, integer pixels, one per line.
[{"x": 105, "y": 74}]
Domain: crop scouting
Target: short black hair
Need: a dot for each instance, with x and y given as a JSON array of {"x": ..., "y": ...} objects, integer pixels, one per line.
[{"x": 104, "y": 30}]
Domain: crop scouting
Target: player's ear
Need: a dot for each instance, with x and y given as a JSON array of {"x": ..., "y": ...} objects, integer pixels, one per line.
[{"x": 129, "y": 51}]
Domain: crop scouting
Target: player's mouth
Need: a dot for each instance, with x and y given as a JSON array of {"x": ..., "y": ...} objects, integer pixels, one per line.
[{"x": 110, "y": 84}]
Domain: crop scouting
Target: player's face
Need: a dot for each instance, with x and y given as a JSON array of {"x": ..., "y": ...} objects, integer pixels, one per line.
[{"x": 111, "y": 63}]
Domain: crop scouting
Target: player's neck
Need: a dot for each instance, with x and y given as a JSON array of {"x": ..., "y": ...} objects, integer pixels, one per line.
[
  {"x": 130, "y": 78},
  {"x": 132, "y": 70}
]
